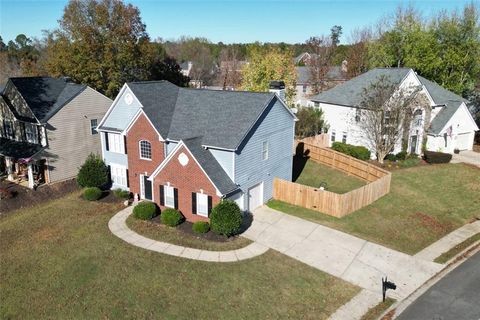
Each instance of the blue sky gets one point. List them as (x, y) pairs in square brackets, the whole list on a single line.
[(228, 21)]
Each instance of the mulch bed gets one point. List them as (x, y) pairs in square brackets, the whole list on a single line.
[(25, 197), (186, 227)]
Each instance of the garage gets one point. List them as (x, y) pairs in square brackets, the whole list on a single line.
[(255, 196), (464, 141)]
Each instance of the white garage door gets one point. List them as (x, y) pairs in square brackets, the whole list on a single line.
[(255, 197), (463, 141)]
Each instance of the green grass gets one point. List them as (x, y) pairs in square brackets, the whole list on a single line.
[(313, 174), (172, 235), (446, 256), (375, 312), (425, 204), (60, 261)]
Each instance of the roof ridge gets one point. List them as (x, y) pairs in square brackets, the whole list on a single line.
[(229, 91)]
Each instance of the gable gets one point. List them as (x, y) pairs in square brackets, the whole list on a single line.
[(122, 111), (460, 120)]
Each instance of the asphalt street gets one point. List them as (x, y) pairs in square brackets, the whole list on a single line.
[(455, 297)]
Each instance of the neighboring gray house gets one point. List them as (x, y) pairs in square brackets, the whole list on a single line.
[(442, 117), (238, 142), (48, 128)]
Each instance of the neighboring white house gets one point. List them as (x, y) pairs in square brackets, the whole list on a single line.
[(451, 124)]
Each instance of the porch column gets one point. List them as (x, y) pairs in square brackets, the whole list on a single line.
[(30, 176), (8, 164)]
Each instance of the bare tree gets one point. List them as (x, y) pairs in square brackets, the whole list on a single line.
[(320, 61), (357, 54), (230, 74), (387, 113)]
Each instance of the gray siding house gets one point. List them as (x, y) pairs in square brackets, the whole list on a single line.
[(48, 128), (241, 141)]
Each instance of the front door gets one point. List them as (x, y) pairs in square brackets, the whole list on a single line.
[(145, 187), (413, 145)]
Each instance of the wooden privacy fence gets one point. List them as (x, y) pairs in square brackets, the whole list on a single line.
[(334, 204)]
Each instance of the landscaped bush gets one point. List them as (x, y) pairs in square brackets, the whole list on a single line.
[(171, 217), (120, 193), (402, 155), (358, 152), (201, 227), (145, 210), (391, 157), (93, 173), (409, 162), (92, 194), (437, 157), (226, 218)]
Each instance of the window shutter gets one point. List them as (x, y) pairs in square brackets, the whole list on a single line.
[(162, 196), (209, 205), (128, 181), (106, 141), (109, 173), (194, 203), (125, 143), (175, 197)]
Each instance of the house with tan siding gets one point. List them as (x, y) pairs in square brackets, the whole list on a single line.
[(48, 128)]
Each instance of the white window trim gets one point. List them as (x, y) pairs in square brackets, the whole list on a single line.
[(344, 137), (115, 143), (93, 130), (116, 179), (9, 133), (265, 147), (166, 197), (201, 197), (142, 186), (140, 150), (333, 136), (33, 132)]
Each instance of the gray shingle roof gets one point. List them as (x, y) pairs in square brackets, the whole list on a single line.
[(222, 118), (18, 149), (350, 93), (45, 96), (212, 168), (304, 74), (441, 119)]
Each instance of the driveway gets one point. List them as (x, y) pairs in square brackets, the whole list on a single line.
[(455, 297), (350, 258), (467, 156)]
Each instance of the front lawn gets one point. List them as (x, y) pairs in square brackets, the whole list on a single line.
[(425, 203), (314, 174), (60, 261)]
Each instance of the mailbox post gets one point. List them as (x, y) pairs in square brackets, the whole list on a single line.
[(387, 285)]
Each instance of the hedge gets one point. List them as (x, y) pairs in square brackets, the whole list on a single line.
[(145, 210), (171, 217), (201, 227), (226, 218), (93, 173), (120, 193), (358, 152), (92, 194), (437, 157)]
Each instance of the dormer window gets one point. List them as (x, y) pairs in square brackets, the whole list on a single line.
[(8, 127), (31, 133), (145, 150)]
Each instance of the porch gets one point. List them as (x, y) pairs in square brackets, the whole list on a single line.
[(22, 163)]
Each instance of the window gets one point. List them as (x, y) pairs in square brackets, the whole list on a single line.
[(265, 150), (145, 150), (115, 143), (169, 196), (387, 117), (93, 126), (344, 137), (118, 175), (304, 89), (417, 117), (333, 136), (316, 104), (31, 133), (7, 124), (358, 113), (202, 204)]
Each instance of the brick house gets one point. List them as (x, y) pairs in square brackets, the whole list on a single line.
[(189, 148)]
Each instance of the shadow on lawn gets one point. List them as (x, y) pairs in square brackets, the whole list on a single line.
[(299, 160)]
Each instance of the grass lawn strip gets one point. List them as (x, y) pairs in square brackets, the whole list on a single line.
[(425, 204), (163, 233), (314, 173), (59, 260), (375, 312), (446, 256)]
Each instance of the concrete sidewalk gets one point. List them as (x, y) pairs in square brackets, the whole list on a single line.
[(350, 258)]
